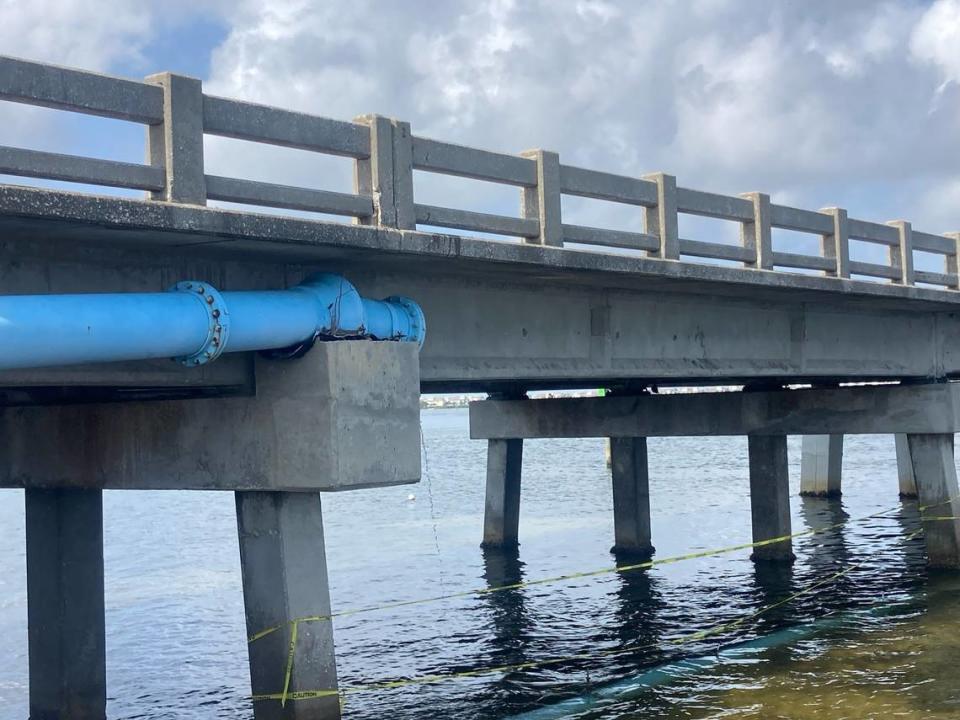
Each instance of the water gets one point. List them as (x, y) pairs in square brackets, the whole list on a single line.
[(176, 638)]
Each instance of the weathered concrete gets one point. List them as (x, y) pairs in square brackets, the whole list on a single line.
[(821, 462), (284, 567), (501, 515), (855, 410), (65, 609), (631, 496), (908, 485), (770, 497), (346, 415), (936, 477)]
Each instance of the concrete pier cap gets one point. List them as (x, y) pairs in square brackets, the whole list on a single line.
[(312, 425)]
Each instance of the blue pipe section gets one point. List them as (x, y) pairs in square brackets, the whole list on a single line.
[(194, 323)]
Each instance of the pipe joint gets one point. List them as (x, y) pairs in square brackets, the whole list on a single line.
[(218, 322)]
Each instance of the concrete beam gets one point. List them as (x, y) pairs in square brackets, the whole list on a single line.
[(631, 496), (770, 497), (65, 608), (908, 484), (936, 476), (501, 515), (284, 567), (933, 408), (821, 462), (345, 415)]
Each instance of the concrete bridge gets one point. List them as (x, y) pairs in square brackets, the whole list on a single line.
[(547, 306)]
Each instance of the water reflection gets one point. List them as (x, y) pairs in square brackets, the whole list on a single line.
[(638, 608), (511, 626)]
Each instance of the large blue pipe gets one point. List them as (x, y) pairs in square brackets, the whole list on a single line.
[(194, 323)]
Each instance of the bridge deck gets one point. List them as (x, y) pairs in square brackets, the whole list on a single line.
[(499, 313)]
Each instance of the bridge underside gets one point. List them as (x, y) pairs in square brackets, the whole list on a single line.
[(501, 315)]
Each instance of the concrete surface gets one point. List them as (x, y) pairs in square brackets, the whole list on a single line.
[(821, 465), (501, 515), (933, 408), (284, 569), (65, 605), (770, 497), (908, 484), (936, 475), (346, 415), (631, 497)]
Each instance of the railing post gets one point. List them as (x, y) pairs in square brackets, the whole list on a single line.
[(901, 256), (836, 245), (953, 260), (177, 143), (387, 175), (542, 202), (756, 235), (661, 220)]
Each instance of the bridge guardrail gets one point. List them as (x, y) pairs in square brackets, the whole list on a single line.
[(178, 114)]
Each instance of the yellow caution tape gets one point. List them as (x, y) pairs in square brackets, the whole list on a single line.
[(692, 637), (579, 575)]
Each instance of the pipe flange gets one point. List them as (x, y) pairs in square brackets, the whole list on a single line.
[(418, 321), (218, 322)]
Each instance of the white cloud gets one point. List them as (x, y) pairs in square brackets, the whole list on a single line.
[(731, 95), (936, 38)]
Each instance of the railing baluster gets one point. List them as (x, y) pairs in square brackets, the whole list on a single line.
[(542, 202), (661, 220), (901, 256), (176, 144), (756, 234), (836, 245)]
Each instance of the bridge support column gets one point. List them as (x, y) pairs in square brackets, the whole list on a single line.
[(285, 578), (770, 497), (65, 619), (631, 496), (936, 478), (501, 514), (821, 461), (908, 485)]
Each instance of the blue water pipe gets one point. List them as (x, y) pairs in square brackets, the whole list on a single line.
[(194, 323)]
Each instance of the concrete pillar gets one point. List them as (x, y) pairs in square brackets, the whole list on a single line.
[(908, 486), (284, 578), (936, 476), (501, 515), (631, 496), (821, 461), (770, 496), (65, 620)]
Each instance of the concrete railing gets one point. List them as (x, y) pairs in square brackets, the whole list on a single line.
[(178, 114)]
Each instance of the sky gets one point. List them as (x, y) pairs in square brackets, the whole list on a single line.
[(819, 103)]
